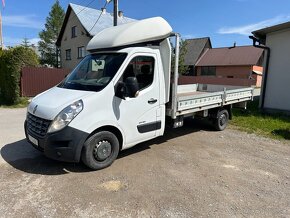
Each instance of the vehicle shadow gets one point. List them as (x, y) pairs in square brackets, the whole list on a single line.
[(22, 156), (190, 126)]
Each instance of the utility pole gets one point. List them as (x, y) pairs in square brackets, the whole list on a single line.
[(116, 8)]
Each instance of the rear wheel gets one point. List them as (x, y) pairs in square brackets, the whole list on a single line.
[(222, 119), (100, 150)]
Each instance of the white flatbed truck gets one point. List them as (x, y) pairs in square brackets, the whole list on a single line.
[(121, 94)]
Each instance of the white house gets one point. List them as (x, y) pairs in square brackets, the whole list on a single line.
[(79, 26), (275, 95)]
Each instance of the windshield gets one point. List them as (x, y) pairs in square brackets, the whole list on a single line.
[(94, 72)]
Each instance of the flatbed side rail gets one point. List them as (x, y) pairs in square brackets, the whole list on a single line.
[(194, 103)]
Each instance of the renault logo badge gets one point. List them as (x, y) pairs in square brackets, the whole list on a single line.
[(34, 109)]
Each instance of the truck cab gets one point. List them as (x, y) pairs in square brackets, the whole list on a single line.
[(114, 99)]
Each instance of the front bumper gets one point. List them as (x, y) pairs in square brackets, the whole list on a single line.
[(65, 145)]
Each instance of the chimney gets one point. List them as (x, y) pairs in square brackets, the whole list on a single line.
[(121, 14), (235, 45), (104, 10)]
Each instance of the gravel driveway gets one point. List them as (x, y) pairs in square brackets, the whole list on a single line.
[(190, 172)]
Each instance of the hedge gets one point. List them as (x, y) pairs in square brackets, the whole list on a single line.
[(11, 63)]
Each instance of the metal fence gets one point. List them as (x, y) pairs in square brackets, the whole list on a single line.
[(35, 80)]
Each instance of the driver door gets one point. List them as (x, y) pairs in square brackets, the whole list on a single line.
[(138, 116)]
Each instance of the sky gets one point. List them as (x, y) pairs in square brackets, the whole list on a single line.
[(224, 21)]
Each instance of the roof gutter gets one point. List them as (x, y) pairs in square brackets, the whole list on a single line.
[(255, 41)]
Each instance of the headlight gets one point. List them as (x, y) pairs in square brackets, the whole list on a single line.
[(66, 116)]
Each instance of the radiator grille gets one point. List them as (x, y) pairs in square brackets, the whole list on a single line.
[(37, 125)]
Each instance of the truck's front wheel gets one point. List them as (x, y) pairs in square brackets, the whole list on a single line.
[(100, 150)]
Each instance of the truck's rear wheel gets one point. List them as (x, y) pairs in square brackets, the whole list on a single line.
[(100, 150), (222, 120)]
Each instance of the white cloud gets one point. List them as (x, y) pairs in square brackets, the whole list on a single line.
[(34, 41), (247, 29), (27, 21), (188, 36), (10, 41)]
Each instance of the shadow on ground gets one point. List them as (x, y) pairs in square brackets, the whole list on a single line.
[(284, 133), (22, 156)]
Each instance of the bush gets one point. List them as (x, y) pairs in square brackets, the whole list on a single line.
[(11, 63)]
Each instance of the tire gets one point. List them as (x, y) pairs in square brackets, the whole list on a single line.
[(222, 120), (100, 150)]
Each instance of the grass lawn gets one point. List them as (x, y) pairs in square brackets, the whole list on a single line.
[(21, 103), (276, 126)]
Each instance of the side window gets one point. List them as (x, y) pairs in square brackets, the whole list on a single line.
[(141, 67), (68, 54), (74, 32)]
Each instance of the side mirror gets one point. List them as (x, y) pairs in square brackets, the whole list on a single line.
[(132, 87), (120, 91)]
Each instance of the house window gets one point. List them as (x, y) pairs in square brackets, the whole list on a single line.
[(68, 54), (208, 71), (81, 52), (74, 32)]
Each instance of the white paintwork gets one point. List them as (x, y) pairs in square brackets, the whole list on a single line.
[(165, 52), (52, 101), (105, 109), (127, 34), (277, 91)]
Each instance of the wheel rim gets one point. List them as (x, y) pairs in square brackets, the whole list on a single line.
[(223, 120), (102, 150)]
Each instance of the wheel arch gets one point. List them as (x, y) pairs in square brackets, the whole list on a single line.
[(214, 112), (113, 130)]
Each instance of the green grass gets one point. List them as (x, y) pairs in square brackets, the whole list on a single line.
[(21, 103), (276, 126)]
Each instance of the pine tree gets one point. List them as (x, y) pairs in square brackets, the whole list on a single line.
[(182, 68), (25, 43), (49, 35)]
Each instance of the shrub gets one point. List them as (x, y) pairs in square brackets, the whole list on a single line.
[(11, 63)]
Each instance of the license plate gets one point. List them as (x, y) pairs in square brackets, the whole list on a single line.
[(33, 140)]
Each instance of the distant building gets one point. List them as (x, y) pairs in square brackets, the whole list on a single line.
[(79, 27), (237, 62), (195, 48), (276, 83)]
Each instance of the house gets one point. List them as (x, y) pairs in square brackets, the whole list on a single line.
[(194, 49), (79, 26), (237, 65), (276, 83)]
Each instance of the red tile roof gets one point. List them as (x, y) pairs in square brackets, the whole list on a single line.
[(234, 56)]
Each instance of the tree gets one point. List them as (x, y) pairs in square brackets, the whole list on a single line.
[(182, 68), (25, 43), (49, 35)]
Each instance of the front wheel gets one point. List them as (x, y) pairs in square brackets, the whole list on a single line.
[(222, 120), (100, 150)]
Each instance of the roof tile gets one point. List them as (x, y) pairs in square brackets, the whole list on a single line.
[(234, 56)]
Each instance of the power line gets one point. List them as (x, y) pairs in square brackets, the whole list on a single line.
[(105, 6)]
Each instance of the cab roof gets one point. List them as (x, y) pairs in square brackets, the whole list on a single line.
[(148, 30)]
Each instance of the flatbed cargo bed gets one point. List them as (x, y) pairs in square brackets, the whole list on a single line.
[(198, 97)]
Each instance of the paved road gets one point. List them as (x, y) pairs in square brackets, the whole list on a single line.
[(190, 172)]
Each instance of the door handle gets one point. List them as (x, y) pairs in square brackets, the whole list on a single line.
[(152, 101)]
